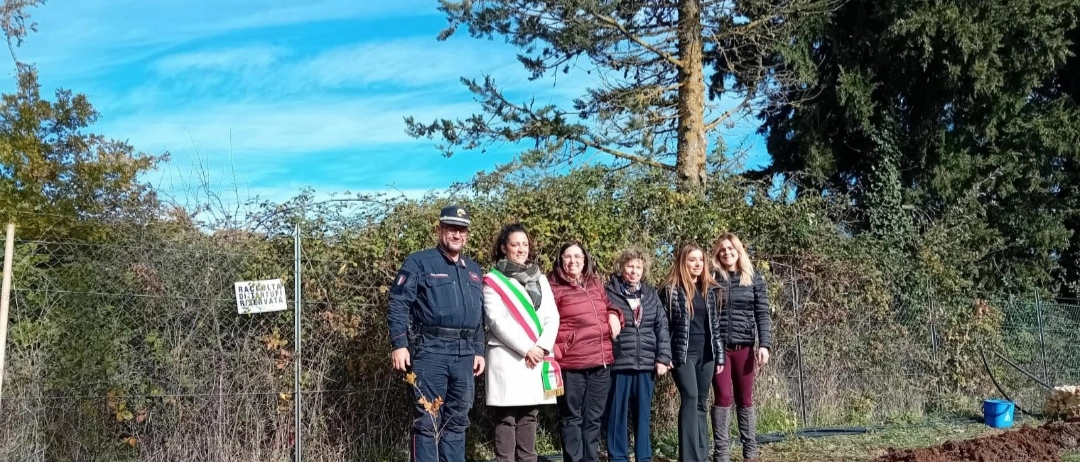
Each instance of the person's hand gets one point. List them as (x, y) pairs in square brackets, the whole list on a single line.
[(661, 368), (534, 356), (719, 368), (400, 359), (616, 325), (478, 366), (762, 356)]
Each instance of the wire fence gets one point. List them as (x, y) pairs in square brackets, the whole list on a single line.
[(127, 345)]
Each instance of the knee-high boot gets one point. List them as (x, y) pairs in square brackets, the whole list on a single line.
[(721, 421), (747, 417)]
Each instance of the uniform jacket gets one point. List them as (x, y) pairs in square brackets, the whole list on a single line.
[(509, 381), (675, 302), (746, 312), (584, 339), (436, 305), (640, 346)]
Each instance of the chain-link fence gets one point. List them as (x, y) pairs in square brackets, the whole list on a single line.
[(125, 344), (918, 360)]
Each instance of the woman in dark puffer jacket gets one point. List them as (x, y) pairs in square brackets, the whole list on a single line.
[(745, 316), (642, 351), (588, 324), (692, 299)]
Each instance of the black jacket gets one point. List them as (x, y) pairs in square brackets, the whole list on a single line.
[(640, 347), (745, 312), (674, 300)]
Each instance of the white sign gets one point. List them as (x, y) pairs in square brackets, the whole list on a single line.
[(260, 296)]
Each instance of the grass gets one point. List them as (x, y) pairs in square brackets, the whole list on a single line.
[(864, 447), (870, 445)]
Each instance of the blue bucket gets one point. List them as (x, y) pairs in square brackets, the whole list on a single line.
[(998, 413)]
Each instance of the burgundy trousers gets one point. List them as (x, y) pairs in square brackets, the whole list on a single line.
[(735, 384)]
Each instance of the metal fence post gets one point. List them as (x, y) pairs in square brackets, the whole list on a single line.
[(296, 354), (936, 360), (1042, 338), (798, 348)]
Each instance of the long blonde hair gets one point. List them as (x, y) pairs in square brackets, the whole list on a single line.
[(746, 268), (679, 276)]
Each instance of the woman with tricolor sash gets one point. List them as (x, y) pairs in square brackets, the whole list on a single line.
[(522, 323)]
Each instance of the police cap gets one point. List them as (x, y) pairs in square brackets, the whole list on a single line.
[(455, 215)]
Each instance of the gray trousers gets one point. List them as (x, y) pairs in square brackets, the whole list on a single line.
[(515, 433)]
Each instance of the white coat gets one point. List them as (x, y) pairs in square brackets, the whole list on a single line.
[(509, 381)]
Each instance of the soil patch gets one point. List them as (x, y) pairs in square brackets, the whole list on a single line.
[(1034, 444)]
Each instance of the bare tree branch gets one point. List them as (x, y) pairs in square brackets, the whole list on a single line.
[(710, 126), (634, 38)]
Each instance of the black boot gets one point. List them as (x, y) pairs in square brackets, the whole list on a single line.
[(721, 425), (747, 417)]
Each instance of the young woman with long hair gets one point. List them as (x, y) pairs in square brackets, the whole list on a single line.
[(692, 298), (746, 329)]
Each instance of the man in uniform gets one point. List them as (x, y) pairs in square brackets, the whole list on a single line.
[(436, 331)]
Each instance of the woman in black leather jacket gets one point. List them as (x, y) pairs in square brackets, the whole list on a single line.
[(744, 318)]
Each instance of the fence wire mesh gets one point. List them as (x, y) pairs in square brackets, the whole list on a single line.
[(127, 345)]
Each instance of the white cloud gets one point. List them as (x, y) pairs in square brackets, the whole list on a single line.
[(284, 128), (406, 62), (388, 64), (220, 60), (116, 32)]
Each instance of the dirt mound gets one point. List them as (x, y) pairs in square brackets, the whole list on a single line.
[(1034, 444)]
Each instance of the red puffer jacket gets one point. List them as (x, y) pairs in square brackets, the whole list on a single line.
[(584, 339)]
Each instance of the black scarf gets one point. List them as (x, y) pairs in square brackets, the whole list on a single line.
[(528, 275)]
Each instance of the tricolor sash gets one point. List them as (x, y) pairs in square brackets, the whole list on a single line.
[(523, 311)]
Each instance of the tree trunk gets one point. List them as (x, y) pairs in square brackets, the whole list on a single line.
[(690, 160)]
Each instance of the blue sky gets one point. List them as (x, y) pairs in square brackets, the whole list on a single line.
[(265, 97)]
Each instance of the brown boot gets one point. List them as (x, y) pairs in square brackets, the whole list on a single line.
[(721, 425), (747, 417)]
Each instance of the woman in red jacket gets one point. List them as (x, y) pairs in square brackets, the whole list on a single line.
[(588, 323)]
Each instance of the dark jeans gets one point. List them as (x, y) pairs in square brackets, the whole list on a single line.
[(735, 384), (631, 395), (515, 433), (582, 410), (449, 377), (693, 379)]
